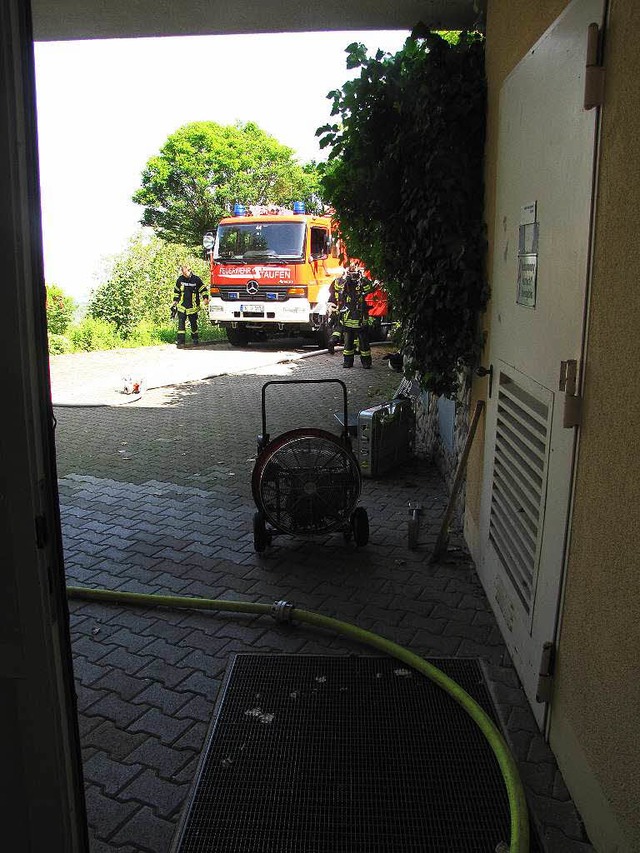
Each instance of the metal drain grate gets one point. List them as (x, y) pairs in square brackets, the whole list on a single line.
[(311, 754)]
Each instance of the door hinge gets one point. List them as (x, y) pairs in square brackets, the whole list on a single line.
[(545, 676), (568, 384), (594, 70)]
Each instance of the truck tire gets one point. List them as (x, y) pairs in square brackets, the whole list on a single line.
[(237, 337)]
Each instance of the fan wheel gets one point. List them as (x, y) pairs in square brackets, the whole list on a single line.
[(260, 536), (306, 481), (360, 526)]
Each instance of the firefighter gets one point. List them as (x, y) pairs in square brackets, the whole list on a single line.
[(187, 293), (348, 294)]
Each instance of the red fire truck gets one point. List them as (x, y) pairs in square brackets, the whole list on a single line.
[(271, 270)]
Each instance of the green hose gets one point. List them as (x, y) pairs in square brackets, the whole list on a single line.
[(283, 611)]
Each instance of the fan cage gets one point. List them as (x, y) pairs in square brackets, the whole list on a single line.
[(306, 481)]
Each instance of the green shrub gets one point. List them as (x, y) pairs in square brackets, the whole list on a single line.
[(144, 334), (60, 309), (93, 334), (59, 344)]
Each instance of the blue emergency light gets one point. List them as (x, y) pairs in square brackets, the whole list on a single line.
[(239, 209), (298, 207)]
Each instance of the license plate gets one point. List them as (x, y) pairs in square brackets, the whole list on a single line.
[(252, 309)]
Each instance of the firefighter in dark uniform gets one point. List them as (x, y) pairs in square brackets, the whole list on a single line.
[(187, 293), (348, 295)]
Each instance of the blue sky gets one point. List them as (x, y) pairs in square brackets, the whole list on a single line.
[(105, 107)]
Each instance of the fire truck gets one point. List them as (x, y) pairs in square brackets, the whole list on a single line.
[(271, 270)]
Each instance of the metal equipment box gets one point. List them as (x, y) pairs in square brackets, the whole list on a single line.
[(385, 436)]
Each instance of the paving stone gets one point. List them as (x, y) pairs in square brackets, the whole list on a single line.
[(111, 776), (477, 633), (522, 719), (105, 815), (120, 683), (98, 846), (113, 708), (157, 696), (165, 760), (160, 795), (193, 738), (88, 697), (85, 672), (204, 685), (160, 725), (125, 660), (150, 834), (556, 841), (116, 742), (88, 724), (538, 778), (562, 816)]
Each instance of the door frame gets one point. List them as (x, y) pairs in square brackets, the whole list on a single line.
[(43, 792)]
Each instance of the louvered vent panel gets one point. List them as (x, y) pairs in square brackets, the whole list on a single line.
[(519, 483)]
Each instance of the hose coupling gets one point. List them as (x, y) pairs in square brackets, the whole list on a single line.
[(282, 611)]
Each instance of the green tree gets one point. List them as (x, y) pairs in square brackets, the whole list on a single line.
[(61, 309), (405, 175), (139, 283), (204, 168)]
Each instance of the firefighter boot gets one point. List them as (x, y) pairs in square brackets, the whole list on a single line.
[(333, 340)]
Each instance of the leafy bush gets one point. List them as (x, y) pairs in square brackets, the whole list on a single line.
[(60, 309), (94, 334), (405, 175), (59, 344), (139, 283)]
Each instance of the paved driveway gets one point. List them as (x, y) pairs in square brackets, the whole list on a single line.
[(155, 497)]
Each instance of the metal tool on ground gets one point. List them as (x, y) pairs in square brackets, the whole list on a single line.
[(307, 481), (415, 510), (443, 537)]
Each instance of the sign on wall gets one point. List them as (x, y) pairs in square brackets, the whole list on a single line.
[(528, 255)]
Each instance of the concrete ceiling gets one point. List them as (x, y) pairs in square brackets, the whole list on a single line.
[(63, 20)]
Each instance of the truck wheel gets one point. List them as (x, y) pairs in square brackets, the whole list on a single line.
[(237, 337)]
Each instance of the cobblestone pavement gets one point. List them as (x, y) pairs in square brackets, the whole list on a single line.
[(155, 498)]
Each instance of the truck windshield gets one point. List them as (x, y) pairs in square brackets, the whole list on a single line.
[(260, 241)]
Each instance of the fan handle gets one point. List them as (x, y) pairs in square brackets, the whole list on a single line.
[(345, 434)]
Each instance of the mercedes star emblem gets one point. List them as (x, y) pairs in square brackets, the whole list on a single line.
[(253, 287)]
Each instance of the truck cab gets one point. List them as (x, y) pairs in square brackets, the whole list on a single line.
[(271, 270)]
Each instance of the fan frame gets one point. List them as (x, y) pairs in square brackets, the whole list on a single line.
[(277, 444)]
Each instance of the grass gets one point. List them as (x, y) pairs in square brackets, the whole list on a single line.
[(91, 335)]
